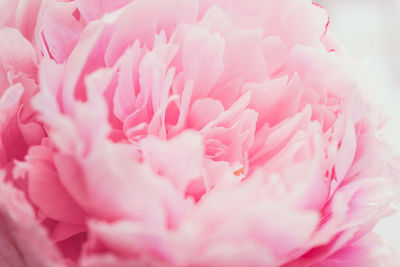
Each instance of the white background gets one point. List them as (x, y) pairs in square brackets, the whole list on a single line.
[(370, 29)]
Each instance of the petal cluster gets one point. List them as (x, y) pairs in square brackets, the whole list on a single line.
[(186, 133)]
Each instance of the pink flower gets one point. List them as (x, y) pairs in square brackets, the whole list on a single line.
[(186, 133)]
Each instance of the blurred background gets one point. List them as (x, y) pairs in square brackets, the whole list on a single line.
[(370, 30)]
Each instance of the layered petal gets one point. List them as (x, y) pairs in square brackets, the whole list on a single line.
[(185, 133)]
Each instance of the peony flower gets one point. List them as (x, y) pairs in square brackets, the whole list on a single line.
[(186, 133)]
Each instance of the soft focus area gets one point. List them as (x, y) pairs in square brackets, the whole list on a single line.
[(370, 29), (198, 133)]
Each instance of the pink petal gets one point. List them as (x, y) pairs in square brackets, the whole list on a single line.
[(95, 9), (202, 60), (76, 64), (142, 19), (60, 30), (186, 151), (16, 53), (44, 186), (275, 52), (125, 97), (126, 238), (23, 244), (203, 111)]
